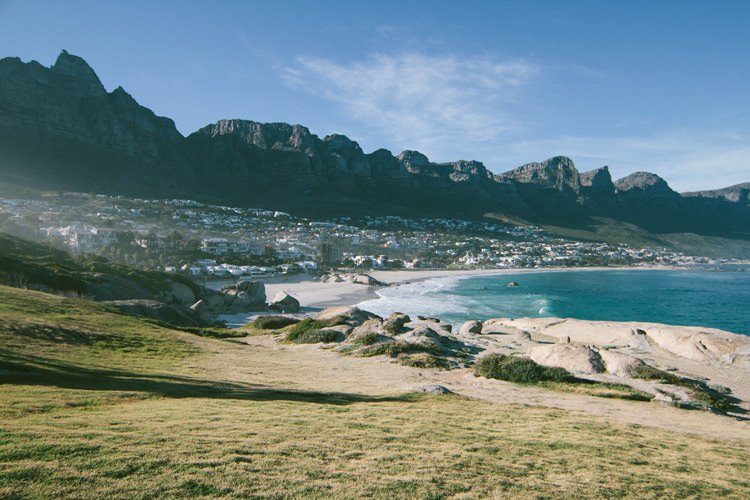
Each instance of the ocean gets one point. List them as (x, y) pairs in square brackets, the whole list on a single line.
[(718, 298)]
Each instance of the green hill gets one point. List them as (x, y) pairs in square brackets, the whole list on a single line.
[(27, 264)]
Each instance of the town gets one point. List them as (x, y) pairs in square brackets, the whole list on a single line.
[(222, 242)]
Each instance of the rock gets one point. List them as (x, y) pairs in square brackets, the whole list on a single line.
[(215, 302), (619, 364), (470, 328), (422, 335), (512, 283), (428, 318), (433, 389), (167, 313), (395, 322), (285, 303), (344, 330), (366, 279), (245, 295), (572, 357), (182, 294), (352, 314), (372, 325)]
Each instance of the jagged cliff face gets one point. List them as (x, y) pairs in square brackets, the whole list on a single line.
[(60, 124), (59, 128)]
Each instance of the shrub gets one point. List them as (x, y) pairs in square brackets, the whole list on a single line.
[(650, 373), (422, 360), (519, 370), (315, 336), (273, 322), (394, 349), (308, 324), (368, 338)]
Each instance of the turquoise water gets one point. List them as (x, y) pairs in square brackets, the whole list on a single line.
[(718, 299)]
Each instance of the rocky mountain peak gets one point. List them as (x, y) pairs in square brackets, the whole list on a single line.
[(643, 181), (78, 70), (413, 161), (557, 173), (263, 135), (739, 193), (597, 180), (341, 143)]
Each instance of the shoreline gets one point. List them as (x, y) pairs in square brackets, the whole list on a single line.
[(315, 294)]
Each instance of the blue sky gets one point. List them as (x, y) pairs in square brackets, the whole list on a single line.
[(657, 86)]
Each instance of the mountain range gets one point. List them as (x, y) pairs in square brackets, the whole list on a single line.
[(60, 129)]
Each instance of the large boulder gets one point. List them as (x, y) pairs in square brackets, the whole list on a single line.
[(215, 302), (572, 357), (471, 328), (365, 279), (245, 295), (619, 364), (160, 311), (284, 302), (182, 294), (353, 315), (395, 322)]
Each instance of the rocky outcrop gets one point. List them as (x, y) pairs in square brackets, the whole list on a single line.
[(574, 358), (244, 296), (470, 327), (357, 279), (284, 303), (165, 313), (739, 193)]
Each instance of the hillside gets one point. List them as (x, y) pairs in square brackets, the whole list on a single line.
[(96, 404), (36, 266), (60, 129)]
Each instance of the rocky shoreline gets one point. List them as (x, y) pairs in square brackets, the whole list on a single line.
[(686, 367)]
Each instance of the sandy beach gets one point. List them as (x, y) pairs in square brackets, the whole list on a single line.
[(315, 294)]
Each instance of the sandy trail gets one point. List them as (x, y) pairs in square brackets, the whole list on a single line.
[(262, 361)]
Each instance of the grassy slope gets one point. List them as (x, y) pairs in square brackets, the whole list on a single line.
[(95, 404), (35, 265)]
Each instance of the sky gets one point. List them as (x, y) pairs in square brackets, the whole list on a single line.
[(638, 85)]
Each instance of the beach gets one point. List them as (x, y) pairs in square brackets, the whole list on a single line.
[(313, 293)]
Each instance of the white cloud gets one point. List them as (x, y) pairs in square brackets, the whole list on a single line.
[(482, 108), (419, 101)]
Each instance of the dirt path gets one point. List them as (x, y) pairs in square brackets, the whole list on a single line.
[(262, 361)]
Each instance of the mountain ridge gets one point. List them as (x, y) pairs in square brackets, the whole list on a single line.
[(60, 129)]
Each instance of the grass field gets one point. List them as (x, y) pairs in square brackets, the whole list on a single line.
[(95, 404)]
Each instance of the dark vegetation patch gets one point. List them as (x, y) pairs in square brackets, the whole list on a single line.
[(317, 336), (422, 360), (273, 322), (26, 264), (213, 332), (705, 397), (394, 349), (300, 329), (519, 370), (368, 338)]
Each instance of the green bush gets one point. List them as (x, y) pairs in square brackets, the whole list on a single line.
[(394, 349), (422, 360), (650, 373), (309, 324), (316, 336), (519, 370), (368, 338), (273, 322)]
